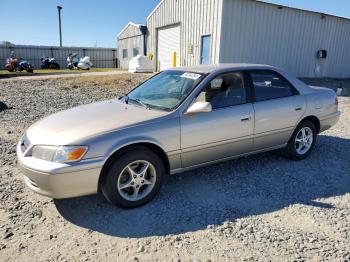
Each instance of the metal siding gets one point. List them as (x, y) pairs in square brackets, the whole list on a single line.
[(196, 17), (255, 32), (129, 44), (130, 31), (100, 57)]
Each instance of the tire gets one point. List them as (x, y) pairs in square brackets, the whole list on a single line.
[(55, 66), (300, 150), (135, 192)]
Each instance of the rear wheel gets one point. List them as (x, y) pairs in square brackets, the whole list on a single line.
[(302, 141), (134, 178)]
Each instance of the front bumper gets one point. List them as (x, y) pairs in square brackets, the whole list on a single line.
[(58, 180)]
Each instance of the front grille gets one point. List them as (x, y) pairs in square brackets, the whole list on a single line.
[(25, 144)]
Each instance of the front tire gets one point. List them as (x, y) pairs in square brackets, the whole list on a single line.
[(133, 178), (302, 141)]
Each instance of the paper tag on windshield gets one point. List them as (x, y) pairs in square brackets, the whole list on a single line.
[(193, 76)]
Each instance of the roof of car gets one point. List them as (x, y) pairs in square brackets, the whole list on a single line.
[(218, 67)]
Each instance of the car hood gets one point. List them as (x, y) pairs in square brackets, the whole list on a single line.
[(79, 123)]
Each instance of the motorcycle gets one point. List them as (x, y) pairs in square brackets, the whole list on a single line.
[(25, 65), (17, 64), (49, 63), (11, 64), (85, 63), (75, 63)]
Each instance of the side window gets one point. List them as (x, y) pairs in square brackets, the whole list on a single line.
[(269, 85), (224, 91), (125, 53), (135, 51)]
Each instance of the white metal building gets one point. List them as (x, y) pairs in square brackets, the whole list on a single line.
[(131, 42), (309, 44)]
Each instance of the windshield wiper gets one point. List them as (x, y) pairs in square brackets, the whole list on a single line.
[(138, 101), (142, 103), (126, 99)]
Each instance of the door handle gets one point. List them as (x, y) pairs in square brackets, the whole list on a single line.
[(245, 118), (298, 108)]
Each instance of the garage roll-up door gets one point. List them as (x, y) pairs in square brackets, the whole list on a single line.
[(168, 43)]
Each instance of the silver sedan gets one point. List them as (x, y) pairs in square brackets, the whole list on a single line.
[(177, 120)]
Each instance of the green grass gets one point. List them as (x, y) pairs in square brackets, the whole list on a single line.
[(61, 71)]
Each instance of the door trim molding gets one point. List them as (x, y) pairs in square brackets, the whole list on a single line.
[(180, 170), (215, 144)]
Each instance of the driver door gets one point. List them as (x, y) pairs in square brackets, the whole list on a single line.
[(224, 132)]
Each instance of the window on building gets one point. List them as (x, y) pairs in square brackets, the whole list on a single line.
[(225, 90), (135, 51), (125, 53), (270, 85)]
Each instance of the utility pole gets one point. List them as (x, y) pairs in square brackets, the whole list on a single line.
[(59, 21)]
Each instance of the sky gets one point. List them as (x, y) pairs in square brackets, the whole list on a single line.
[(92, 23)]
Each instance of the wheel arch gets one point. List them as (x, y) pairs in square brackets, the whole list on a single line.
[(127, 147), (314, 120)]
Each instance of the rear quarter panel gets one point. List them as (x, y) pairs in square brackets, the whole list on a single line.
[(321, 103)]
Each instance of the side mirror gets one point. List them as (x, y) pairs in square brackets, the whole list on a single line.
[(199, 107)]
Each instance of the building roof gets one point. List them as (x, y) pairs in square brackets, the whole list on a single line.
[(218, 67), (300, 9), (268, 3), (136, 25)]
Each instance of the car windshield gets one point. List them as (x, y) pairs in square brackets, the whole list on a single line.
[(165, 91)]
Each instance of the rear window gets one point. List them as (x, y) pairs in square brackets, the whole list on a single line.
[(270, 85)]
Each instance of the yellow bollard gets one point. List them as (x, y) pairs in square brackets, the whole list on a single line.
[(174, 59)]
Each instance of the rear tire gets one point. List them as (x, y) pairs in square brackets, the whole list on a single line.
[(133, 178), (302, 141)]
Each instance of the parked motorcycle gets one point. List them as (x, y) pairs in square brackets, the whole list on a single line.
[(75, 63), (11, 64), (49, 63), (17, 64), (85, 63), (25, 65)]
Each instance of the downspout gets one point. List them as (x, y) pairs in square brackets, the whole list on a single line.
[(143, 30)]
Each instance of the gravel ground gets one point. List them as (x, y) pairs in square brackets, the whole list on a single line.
[(262, 207)]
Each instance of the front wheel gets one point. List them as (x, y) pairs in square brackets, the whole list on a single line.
[(302, 141), (134, 178)]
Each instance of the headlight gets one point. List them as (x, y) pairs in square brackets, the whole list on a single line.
[(60, 154), (69, 153)]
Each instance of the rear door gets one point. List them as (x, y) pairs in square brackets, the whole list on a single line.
[(278, 108)]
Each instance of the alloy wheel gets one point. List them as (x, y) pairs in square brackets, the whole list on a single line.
[(136, 180), (303, 140)]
